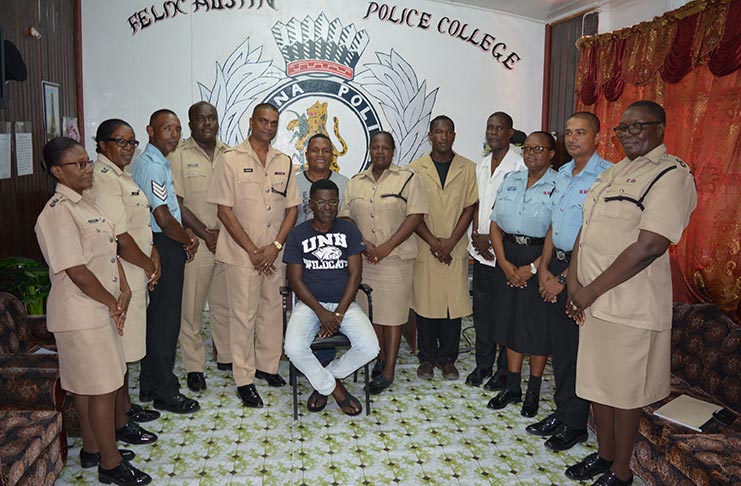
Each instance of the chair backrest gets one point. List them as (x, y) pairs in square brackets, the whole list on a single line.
[(12, 332)]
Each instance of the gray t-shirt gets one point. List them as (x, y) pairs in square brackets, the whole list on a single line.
[(303, 184)]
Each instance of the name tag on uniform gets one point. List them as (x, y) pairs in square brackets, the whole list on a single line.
[(135, 193), (248, 169), (511, 188), (630, 181), (279, 173), (96, 220), (193, 165)]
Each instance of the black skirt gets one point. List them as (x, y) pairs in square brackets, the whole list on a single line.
[(520, 314)]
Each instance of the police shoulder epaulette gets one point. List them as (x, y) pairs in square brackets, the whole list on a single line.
[(56, 200), (674, 159), (357, 175)]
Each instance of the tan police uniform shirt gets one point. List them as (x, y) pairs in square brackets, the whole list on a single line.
[(191, 172), (380, 207), (126, 206), (72, 231), (258, 196), (439, 287), (611, 223)]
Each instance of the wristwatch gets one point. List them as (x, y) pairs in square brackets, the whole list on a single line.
[(278, 245), (561, 279), (533, 269)]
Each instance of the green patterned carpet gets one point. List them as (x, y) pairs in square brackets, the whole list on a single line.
[(419, 433)]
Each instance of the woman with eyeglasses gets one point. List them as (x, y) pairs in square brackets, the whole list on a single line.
[(126, 206), (387, 202), (519, 223), (87, 306)]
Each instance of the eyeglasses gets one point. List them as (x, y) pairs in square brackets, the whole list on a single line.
[(332, 203), (82, 164), (633, 128), (538, 150), (122, 142)]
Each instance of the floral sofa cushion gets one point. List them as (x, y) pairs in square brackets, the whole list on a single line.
[(29, 447)]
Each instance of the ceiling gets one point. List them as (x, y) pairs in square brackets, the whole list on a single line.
[(543, 10)]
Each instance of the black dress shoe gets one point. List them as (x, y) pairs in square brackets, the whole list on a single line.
[(124, 475), (224, 366), (503, 399), (566, 438), (544, 428), (530, 405), (196, 382), (132, 433), (92, 459), (274, 380), (178, 403), (377, 368), (496, 383), (476, 377), (249, 396), (145, 397), (142, 415), (609, 479), (588, 468)]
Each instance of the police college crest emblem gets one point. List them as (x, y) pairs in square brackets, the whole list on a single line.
[(324, 88)]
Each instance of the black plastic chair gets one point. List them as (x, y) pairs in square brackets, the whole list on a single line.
[(339, 340)]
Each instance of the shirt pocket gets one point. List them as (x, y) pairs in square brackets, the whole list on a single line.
[(96, 241), (279, 183), (249, 187), (620, 203), (195, 179)]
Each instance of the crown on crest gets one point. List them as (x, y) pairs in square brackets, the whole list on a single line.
[(320, 46)]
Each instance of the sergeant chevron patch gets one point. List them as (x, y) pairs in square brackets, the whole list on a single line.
[(159, 190)]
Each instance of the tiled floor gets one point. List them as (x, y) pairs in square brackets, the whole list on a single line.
[(420, 433)]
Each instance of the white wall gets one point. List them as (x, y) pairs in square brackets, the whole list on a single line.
[(129, 75), (617, 14)]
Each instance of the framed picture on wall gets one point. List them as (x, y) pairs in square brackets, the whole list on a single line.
[(52, 120)]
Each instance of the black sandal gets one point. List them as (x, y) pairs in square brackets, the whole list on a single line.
[(347, 403), (378, 385), (319, 402)]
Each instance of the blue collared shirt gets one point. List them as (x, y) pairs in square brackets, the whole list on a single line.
[(151, 172), (567, 201), (522, 211)]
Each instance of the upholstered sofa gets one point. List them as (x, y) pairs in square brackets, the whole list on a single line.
[(706, 364), (33, 442)]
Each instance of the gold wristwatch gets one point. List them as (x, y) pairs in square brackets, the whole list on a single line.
[(278, 245)]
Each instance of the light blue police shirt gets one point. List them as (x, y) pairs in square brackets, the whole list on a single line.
[(567, 200), (522, 211), (151, 172)]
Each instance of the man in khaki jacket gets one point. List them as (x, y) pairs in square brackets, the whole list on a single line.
[(256, 194), (192, 164), (441, 296)]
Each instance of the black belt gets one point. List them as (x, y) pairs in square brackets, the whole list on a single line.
[(524, 240), (562, 255)]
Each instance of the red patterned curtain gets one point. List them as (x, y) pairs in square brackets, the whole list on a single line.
[(688, 60)]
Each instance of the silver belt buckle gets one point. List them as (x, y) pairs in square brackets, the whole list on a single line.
[(521, 240), (561, 255)]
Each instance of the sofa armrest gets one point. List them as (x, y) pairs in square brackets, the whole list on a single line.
[(30, 382), (38, 335)]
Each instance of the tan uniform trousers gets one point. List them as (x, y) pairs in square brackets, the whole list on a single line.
[(255, 320), (204, 277)]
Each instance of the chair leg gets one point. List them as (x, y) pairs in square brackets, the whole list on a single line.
[(294, 387), (367, 390)]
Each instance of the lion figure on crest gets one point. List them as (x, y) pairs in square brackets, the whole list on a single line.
[(313, 122)]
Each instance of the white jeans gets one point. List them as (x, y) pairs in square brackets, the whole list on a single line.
[(301, 331)]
